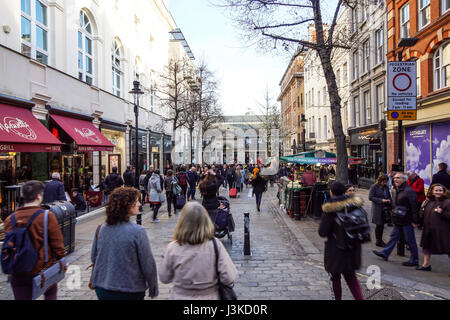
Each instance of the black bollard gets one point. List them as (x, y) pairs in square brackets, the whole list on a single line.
[(247, 251), (139, 216)]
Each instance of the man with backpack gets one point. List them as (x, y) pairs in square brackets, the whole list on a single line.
[(183, 180), (112, 182), (31, 217)]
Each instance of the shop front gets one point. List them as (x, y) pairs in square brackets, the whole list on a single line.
[(116, 135), (167, 153), (155, 149), (366, 143), (81, 140), (24, 141), (142, 148), (427, 145)]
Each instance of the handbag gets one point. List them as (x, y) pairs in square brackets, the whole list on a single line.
[(52, 275), (225, 292), (161, 198)]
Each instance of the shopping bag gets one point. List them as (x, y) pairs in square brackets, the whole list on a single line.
[(250, 192)]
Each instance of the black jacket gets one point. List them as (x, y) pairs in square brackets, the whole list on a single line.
[(406, 197), (259, 185), (210, 200), (443, 178), (128, 178), (80, 203), (336, 260), (112, 182), (54, 191)]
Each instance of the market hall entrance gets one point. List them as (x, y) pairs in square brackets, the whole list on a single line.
[(73, 171)]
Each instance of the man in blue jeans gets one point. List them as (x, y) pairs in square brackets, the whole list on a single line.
[(405, 199)]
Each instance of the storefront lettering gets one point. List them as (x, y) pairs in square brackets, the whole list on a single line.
[(88, 134), (18, 127), (6, 147), (418, 132), (364, 137)]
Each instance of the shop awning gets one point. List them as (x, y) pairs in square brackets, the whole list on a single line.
[(84, 133), (20, 131)]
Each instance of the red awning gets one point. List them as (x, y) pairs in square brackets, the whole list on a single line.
[(20, 131), (84, 133)]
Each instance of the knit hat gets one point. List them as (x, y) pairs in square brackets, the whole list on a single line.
[(338, 188)]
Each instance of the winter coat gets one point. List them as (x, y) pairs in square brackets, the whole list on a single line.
[(210, 200), (406, 197), (436, 227), (237, 178), (192, 178), (141, 182), (376, 195), (309, 178), (259, 185), (192, 270), (242, 176), (336, 260), (128, 178), (418, 185), (54, 191), (112, 182), (55, 238), (443, 178), (80, 203), (155, 188)]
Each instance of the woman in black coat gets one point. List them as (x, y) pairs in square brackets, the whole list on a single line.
[(209, 188), (338, 261), (436, 225), (381, 200), (259, 186)]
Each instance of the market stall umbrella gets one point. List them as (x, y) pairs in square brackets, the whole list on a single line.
[(20, 131)]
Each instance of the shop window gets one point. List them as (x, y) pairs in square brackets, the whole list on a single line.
[(85, 49), (34, 30), (441, 63)]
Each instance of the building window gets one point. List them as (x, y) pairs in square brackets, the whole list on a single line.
[(312, 102), (34, 30), (324, 96), (319, 132), (441, 63), (345, 74), (366, 56), (379, 103), (355, 69), (356, 111), (85, 50), (116, 69), (367, 116), (325, 127), (338, 78), (363, 10), (318, 97), (354, 19), (424, 13), (445, 5), (404, 21), (379, 46)]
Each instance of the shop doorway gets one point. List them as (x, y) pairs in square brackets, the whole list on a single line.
[(73, 171)]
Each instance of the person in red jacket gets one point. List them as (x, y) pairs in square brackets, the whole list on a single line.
[(418, 185)]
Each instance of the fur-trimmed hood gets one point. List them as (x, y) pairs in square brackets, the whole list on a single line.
[(341, 204)]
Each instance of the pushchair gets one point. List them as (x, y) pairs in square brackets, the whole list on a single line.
[(223, 220)]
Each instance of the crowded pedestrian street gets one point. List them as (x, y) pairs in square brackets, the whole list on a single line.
[(286, 261)]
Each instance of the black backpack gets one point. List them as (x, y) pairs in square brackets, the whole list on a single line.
[(352, 227)]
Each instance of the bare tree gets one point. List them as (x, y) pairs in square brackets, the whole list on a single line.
[(284, 22), (173, 94)]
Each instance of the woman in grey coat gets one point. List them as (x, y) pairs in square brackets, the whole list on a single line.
[(155, 193), (381, 200)]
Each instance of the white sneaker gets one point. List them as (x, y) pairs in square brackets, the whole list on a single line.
[(156, 221)]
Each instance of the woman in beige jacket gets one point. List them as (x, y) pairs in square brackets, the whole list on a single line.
[(190, 261)]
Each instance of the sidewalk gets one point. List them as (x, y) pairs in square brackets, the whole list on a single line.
[(410, 283)]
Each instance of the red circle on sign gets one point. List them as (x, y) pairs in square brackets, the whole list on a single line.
[(407, 87)]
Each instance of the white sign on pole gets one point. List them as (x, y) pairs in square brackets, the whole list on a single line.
[(402, 86)]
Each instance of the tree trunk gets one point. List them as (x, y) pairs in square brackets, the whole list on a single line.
[(335, 104)]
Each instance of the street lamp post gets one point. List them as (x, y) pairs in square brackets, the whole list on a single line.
[(303, 122), (136, 92)]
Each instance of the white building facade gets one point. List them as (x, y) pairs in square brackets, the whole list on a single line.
[(78, 59)]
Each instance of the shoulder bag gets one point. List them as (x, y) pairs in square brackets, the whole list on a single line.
[(225, 292), (52, 275)]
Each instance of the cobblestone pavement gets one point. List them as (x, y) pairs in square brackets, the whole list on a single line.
[(284, 263)]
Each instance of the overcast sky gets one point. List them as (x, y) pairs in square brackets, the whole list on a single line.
[(243, 72)]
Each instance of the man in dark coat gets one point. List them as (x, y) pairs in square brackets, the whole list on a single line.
[(192, 178), (54, 190), (442, 176), (112, 182), (128, 177), (405, 200), (338, 261)]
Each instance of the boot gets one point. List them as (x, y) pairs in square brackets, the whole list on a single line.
[(379, 236)]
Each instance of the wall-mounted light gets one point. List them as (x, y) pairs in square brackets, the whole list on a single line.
[(6, 29)]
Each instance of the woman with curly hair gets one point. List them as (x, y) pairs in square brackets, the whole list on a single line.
[(124, 267), (189, 261), (436, 226)]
